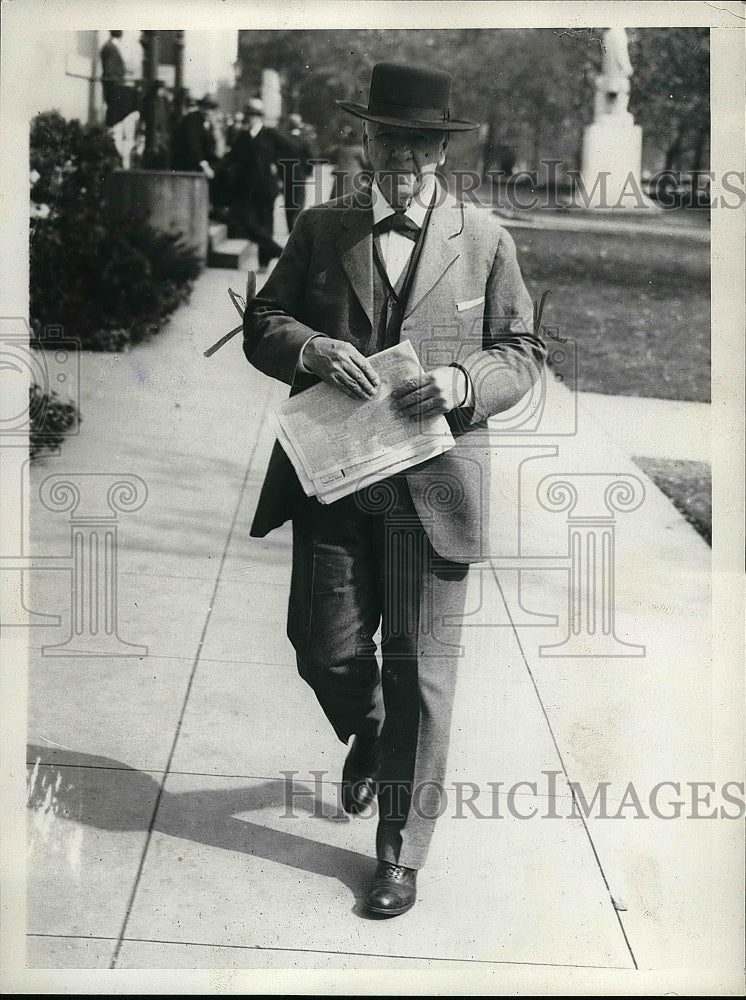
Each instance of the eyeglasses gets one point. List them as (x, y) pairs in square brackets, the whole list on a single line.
[(405, 140)]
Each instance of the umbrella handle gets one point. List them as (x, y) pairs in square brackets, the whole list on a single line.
[(250, 294)]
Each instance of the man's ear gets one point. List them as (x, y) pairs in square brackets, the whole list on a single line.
[(443, 149)]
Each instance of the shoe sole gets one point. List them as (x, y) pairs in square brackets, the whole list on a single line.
[(387, 912)]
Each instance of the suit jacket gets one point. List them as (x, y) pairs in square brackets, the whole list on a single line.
[(193, 142), (256, 165), (112, 63), (468, 306), (295, 157)]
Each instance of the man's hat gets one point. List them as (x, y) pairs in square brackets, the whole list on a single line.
[(410, 97), (254, 107), (206, 102)]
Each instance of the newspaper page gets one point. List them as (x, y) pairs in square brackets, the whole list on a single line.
[(336, 444)]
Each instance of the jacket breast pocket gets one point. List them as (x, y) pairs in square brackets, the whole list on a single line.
[(469, 304)]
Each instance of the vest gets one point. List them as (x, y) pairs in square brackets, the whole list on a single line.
[(390, 302)]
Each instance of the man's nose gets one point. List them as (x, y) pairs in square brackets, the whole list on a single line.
[(402, 151)]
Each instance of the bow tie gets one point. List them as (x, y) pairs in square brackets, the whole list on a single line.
[(399, 223)]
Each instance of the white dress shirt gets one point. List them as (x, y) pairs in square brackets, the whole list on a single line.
[(396, 249)]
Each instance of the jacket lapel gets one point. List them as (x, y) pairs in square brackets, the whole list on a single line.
[(442, 246), (355, 247)]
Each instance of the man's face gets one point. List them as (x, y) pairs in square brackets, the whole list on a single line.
[(402, 158)]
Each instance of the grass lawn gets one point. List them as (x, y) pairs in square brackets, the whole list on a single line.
[(638, 307), (688, 485)]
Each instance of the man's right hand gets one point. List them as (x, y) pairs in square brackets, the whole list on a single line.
[(341, 365)]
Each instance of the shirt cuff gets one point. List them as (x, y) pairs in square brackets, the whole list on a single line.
[(468, 399), (300, 366)]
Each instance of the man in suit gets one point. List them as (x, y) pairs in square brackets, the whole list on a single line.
[(122, 100), (112, 72), (255, 156), (400, 260), (296, 167), (194, 147)]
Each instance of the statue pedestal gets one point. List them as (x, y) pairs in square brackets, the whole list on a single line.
[(612, 156)]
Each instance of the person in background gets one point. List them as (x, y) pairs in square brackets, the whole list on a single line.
[(296, 167), (233, 128), (122, 101), (112, 71), (255, 158), (352, 170), (193, 146)]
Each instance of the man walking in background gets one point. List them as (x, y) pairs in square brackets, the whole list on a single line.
[(112, 72), (122, 101), (401, 259), (255, 160), (296, 166), (194, 147)]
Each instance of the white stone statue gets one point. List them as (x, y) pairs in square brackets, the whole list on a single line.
[(612, 85)]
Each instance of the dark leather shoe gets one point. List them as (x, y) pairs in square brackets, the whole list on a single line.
[(359, 774), (392, 890)]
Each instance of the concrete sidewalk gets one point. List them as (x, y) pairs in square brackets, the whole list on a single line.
[(652, 428), (655, 222), (161, 833)]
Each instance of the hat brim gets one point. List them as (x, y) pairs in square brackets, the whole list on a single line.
[(454, 125)]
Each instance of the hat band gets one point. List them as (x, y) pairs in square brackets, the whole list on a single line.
[(406, 111)]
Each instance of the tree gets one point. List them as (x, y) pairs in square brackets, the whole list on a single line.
[(670, 95), (514, 78), (532, 88)]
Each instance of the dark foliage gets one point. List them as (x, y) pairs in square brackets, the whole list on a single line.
[(49, 418), (670, 94), (108, 285)]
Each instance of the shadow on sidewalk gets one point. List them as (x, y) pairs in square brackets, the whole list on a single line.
[(95, 794)]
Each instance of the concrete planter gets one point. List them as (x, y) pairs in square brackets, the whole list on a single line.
[(173, 202)]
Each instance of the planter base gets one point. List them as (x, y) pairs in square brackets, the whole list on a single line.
[(172, 201)]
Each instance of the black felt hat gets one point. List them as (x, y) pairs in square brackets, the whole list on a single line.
[(410, 97)]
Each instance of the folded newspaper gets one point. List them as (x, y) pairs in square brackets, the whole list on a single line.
[(338, 445)]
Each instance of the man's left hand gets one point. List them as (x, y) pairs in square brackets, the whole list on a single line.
[(432, 393)]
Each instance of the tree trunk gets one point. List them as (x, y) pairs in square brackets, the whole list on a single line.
[(699, 161), (673, 152), (537, 148)]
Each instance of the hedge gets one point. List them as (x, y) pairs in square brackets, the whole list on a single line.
[(108, 285)]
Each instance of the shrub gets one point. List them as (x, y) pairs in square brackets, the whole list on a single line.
[(109, 285), (50, 418)]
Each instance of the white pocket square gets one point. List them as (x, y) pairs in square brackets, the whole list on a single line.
[(461, 306)]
